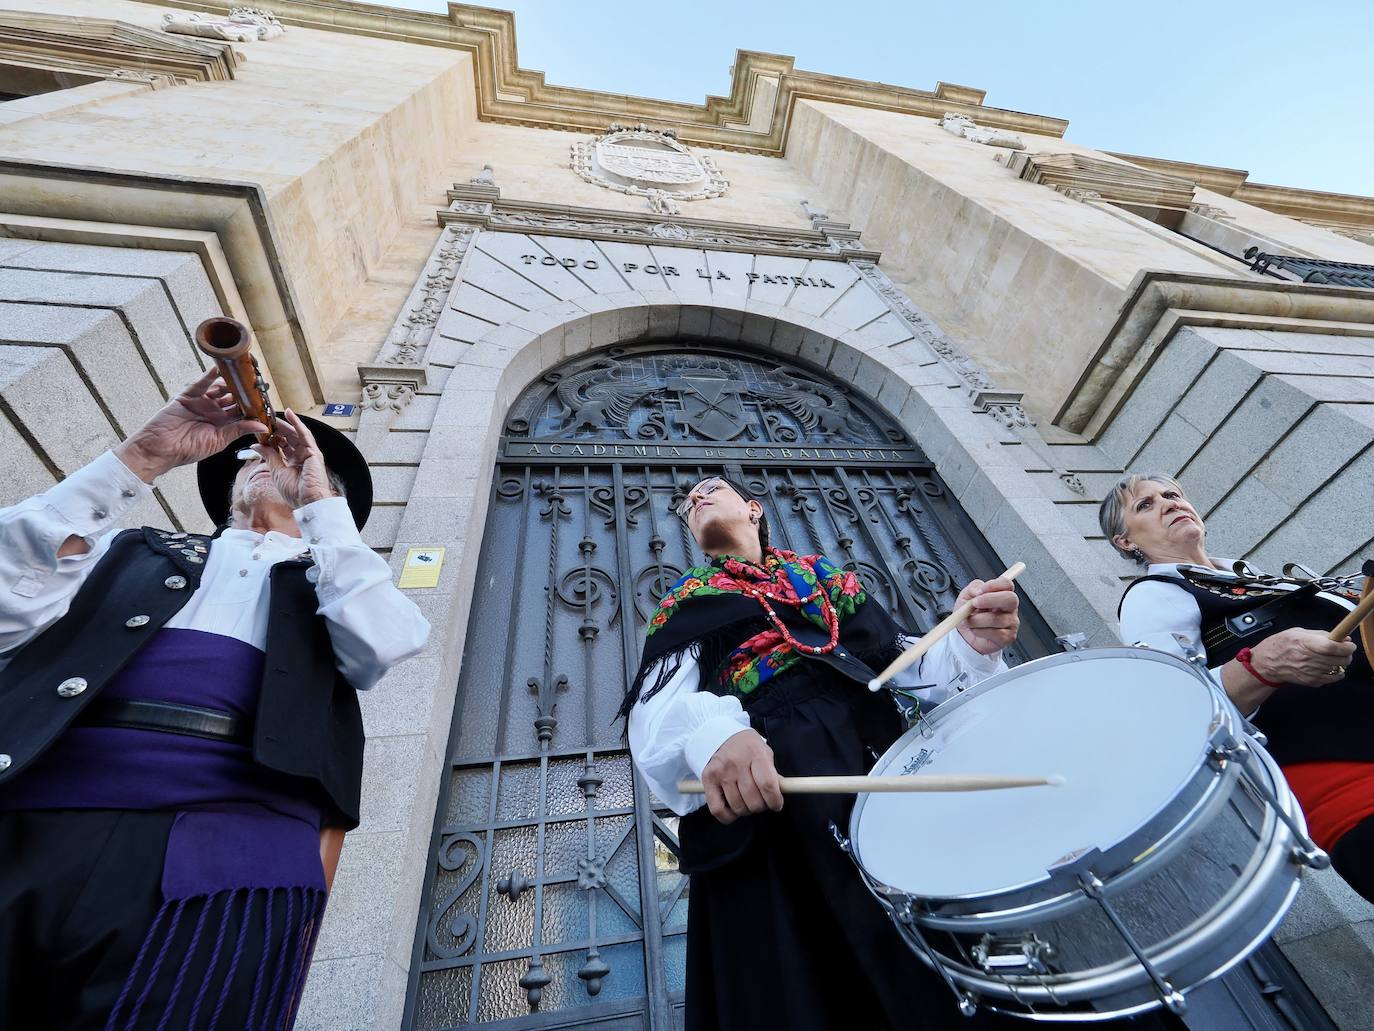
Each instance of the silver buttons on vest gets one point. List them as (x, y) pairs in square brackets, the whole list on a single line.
[(174, 583), (71, 687), (5, 762), (134, 622)]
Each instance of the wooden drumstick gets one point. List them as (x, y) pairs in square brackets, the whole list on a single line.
[(915, 782), (1351, 621), (947, 624)]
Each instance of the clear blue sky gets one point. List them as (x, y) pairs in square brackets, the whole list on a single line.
[(1282, 90)]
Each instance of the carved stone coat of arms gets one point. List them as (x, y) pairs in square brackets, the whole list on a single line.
[(648, 163)]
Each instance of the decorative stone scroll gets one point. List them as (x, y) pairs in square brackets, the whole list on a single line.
[(390, 386), (648, 163), (963, 125), (923, 328), (240, 25), (156, 80), (1004, 406), (415, 325)]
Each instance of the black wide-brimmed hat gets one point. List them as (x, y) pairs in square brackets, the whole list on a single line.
[(215, 475)]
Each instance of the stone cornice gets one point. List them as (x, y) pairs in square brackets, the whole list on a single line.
[(1116, 182), (754, 118), (473, 206), (111, 49), (1161, 303), (1338, 210)]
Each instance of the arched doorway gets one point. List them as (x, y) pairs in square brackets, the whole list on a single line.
[(553, 898)]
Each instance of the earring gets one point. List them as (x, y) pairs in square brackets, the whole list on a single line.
[(1138, 555)]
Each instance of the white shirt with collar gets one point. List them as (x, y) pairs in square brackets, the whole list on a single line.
[(371, 624), (675, 733), (1168, 618)]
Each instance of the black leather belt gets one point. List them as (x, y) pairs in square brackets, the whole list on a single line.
[(168, 717)]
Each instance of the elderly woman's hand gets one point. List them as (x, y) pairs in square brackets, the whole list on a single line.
[(995, 621), (1302, 657)]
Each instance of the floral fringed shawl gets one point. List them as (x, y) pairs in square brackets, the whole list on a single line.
[(746, 624)]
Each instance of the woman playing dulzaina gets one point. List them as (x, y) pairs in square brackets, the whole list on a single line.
[(756, 665), (1265, 638)]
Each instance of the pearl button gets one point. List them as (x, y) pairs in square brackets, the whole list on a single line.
[(313, 574), (99, 513), (127, 493), (243, 572), (307, 517), (175, 583), (134, 622), (71, 687), (314, 540), (5, 762)]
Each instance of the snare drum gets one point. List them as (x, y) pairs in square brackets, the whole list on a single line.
[(1170, 852)]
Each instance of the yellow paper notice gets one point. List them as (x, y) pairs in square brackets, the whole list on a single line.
[(422, 567)]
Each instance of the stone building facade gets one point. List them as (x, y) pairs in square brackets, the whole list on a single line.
[(932, 332)]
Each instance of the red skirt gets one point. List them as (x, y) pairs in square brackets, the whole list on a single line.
[(1335, 797)]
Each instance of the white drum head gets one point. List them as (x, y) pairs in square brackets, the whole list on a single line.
[(1127, 728)]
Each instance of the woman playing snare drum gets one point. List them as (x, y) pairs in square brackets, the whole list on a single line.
[(1265, 639), (756, 664)]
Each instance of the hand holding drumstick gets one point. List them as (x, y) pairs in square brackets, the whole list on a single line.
[(741, 779), (986, 615)]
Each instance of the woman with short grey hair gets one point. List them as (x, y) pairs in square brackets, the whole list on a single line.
[(1265, 639)]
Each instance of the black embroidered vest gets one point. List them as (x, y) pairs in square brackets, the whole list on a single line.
[(308, 723), (1303, 724)]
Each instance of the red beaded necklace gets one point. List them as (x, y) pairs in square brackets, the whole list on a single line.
[(765, 597)]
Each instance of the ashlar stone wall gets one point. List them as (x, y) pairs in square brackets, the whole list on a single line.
[(1029, 279), (1271, 434), (344, 135), (94, 340)]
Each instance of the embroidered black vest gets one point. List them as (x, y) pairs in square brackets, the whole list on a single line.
[(1303, 724), (308, 723)]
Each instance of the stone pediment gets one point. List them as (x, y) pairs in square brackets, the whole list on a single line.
[(110, 49)]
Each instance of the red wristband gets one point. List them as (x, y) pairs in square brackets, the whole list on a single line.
[(1244, 657)]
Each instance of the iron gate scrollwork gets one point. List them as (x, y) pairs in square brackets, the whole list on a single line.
[(553, 895)]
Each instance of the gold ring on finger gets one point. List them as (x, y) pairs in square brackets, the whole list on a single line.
[(1336, 671)]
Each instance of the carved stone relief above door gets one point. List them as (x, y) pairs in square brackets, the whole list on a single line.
[(648, 163)]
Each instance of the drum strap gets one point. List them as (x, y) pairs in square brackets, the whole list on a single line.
[(1245, 624), (1367, 624)]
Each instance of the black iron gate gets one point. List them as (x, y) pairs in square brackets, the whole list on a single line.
[(553, 899)]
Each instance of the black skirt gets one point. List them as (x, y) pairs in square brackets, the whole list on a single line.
[(784, 933)]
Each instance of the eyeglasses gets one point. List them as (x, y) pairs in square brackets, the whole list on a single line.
[(704, 489)]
